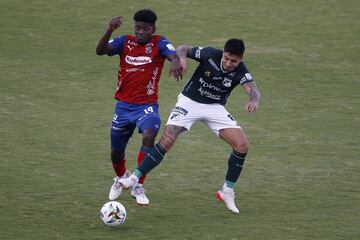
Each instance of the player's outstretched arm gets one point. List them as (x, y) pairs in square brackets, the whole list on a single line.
[(254, 95), (103, 46), (183, 52)]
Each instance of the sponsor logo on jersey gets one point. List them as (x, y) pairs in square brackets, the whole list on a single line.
[(209, 85), (141, 60), (208, 94), (207, 73), (134, 69), (227, 82), (151, 84)]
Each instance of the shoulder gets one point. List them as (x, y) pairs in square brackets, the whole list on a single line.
[(160, 39), (243, 73), (129, 37), (164, 45), (117, 44), (119, 40), (205, 52)]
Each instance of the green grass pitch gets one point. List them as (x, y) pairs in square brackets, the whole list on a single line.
[(301, 178)]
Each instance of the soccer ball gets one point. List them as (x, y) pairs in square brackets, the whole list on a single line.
[(113, 214)]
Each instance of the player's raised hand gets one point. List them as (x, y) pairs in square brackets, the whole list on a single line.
[(116, 23)]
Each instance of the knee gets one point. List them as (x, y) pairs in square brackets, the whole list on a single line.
[(242, 147), (148, 138), (117, 156)]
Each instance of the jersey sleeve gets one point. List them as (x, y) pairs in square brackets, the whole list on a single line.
[(118, 44), (200, 54), (165, 47), (246, 78)]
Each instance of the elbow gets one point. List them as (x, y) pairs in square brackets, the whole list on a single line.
[(183, 51), (99, 52), (179, 48)]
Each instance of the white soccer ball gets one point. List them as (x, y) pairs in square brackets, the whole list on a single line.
[(113, 214)]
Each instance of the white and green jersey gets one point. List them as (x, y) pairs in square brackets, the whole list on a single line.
[(209, 83)]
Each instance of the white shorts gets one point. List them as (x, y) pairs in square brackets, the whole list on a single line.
[(187, 112)]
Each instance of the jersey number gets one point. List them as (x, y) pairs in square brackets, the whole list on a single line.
[(149, 110)]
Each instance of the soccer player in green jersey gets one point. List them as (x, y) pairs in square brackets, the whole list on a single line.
[(203, 99)]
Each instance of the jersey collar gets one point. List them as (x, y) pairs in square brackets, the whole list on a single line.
[(222, 67)]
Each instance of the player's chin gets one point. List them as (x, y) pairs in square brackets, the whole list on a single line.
[(140, 40), (230, 69)]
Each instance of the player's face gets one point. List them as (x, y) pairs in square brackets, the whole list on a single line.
[(230, 61), (144, 32)]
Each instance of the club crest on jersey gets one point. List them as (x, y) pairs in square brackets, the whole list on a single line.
[(148, 50), (227, 82), (207, 73)]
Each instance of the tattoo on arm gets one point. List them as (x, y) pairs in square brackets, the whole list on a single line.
[(253, 91)]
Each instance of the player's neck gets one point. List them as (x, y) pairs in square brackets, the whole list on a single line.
[(144, 43)]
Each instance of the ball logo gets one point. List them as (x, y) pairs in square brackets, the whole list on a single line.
[(138, 60)]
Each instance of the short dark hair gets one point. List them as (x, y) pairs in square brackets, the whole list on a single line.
[(145, 15), (235, 46)]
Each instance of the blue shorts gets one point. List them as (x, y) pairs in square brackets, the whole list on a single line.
[(128, 116)]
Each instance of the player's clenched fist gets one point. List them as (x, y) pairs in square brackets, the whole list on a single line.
[(116, 23)]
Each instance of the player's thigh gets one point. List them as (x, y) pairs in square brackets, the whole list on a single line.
[(216, 117), (121, 129), (185, 113), (148, 120)]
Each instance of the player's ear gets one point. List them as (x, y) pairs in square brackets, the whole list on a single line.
[(154, 29)]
